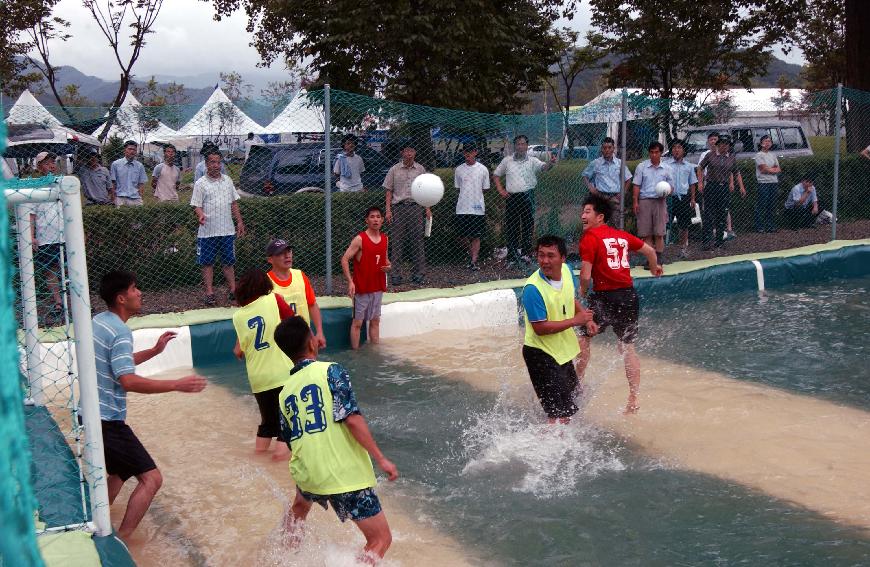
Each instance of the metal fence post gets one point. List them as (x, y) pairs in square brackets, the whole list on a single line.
[(622, 154), (837, 125), (327, 177)]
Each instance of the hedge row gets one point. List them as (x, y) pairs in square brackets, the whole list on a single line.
[(158, 242)]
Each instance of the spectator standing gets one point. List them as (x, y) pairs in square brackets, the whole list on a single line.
[(216, 203), (95, 179), (520, 171), (602, 174), (128, 177), (46, 229), (404, 215), (717, 184), (472, 179), (349, 166), (166, 177), (200, 168), (650, 209), (683, 199), (767, 172), (251, 140), (802, 204)]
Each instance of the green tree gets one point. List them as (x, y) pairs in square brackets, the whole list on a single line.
[(782, 100), (469, 54), (858, 74), (162, 102), (16, 20), (236, 88), (822, 40), (72, 97), (679, 49)]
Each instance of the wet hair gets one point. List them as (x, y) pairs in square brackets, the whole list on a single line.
[(608, 140), (552, 240), (521, 137), (113, 284), (677, 142), (600, 205), (252, 285), (292, 336), (372, 209), (656, 145)]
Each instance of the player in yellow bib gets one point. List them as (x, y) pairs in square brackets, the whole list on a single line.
[(293, 286), (331, 443), (550, 346), (268, 367)]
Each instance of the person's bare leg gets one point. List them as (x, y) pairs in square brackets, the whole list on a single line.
[(659, 243), (684, 238), (53, 284), (375, 331), (294, 520), (728, 227), (208, 279), (632, 373), (582, 360), (230, 276), (114, 485), (140, 501), (261, 444), (474, 249), (282, 451), (378, 538), (355, 329)]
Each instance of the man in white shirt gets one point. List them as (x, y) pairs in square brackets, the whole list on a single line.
[(349, 166), (216, 203), (46, 226), (472, 179), (802, 204), (520, 171)]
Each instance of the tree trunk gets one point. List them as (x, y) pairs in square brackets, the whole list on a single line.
[(113, 111), (858, 74)]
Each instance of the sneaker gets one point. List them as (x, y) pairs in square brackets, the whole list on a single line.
[(684, 252), (231, 296), (473, 267), (210, 300), (729, 236)]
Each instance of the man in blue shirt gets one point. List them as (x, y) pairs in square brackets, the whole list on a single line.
[(683, 199), (602, 174), (116, 375), (128, 177), (650, 209)]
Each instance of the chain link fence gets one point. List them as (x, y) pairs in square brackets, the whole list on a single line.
[(296, 176)]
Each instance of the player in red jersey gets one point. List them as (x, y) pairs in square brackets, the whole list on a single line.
[(366, 287), (604, 256)]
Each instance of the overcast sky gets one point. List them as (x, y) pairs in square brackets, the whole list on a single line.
[(186, 41)]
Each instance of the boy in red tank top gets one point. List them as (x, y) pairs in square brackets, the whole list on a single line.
[(366, 287)]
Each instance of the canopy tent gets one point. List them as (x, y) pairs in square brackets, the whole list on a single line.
[(220, 118), (28, 110), (138, 122), (301, 115)]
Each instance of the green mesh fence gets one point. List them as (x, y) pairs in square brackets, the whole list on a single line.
[(17, 503), (277, 160)]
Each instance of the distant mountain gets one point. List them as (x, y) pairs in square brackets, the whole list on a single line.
[(593, 82)]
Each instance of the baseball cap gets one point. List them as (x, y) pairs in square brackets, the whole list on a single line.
[(276, 246), (42, 156)]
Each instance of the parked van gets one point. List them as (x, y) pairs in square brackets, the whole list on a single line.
[(788, 139)]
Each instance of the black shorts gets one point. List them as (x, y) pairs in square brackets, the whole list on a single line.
[(270, 422), (617, 308), (470, 226), (683, 211), (48, 256), (125, 455), (555, 384)]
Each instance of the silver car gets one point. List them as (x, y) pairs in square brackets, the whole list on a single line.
[(788, 139)]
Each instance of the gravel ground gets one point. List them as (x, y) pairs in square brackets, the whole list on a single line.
[(188, 298)]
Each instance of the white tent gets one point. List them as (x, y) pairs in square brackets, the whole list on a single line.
[(299, 116), (132, 122), (220, 119), (28, 110)]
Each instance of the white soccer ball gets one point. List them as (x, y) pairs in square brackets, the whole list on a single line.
[(663, 188), (427, 189)]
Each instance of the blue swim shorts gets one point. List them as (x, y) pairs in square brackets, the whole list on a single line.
[(357, 505), (208, 248)]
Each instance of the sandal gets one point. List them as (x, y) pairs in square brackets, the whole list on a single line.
[(210, 299)]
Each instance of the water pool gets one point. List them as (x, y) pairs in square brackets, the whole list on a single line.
[(718, 468)]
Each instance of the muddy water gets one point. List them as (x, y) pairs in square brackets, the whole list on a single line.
[(221, 505), (796, 448)]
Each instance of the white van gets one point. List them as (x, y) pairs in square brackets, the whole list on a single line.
[(788, 139)]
